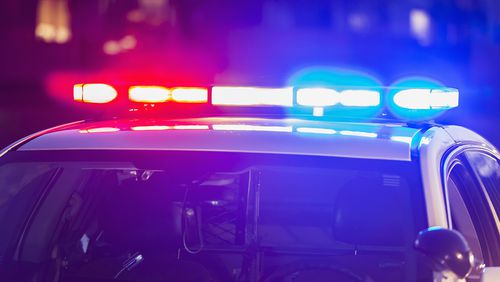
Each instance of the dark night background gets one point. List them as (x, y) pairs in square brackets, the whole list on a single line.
[(49, 45)]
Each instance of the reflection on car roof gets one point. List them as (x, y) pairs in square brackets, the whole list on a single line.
[(229, 134)]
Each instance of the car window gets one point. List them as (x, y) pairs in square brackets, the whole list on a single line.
[(20, 185), (294, 212), (250, 217), (469, 212), (487, 169), (462, 220)]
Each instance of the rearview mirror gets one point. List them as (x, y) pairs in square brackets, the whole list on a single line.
[(447, 251)]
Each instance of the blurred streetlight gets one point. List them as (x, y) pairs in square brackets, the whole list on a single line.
[(53, 21)]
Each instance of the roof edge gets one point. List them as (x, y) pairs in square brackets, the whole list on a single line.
[(30, 137)]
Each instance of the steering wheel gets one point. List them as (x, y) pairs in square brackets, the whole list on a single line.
[(305, 271)]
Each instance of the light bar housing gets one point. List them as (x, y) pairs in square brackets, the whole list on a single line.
[(161, 94)]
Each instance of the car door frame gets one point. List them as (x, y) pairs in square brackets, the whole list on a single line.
[(436, 148), (458, 153)]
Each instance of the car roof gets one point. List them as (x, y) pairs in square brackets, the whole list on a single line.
[(389, 141)]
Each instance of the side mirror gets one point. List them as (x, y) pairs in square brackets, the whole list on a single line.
[(447, 251), (491, 274)]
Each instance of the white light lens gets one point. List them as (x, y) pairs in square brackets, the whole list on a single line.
[(444, 99), (413, 99), (148, 94), (190, 95), (96, 93), (245, 127), (427, 99), (317, 97), (360, 98), (252, 96), (78, 92)]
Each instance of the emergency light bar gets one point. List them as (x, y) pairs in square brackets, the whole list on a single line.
[(160, 94), (317, 99)]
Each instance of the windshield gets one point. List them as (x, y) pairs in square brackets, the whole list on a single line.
[(184, 216)]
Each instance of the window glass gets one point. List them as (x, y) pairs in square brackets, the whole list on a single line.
[(170, 217), (350, 206), (20, 184), (488, 171), (470, 212), (461, 219), (300, 212)]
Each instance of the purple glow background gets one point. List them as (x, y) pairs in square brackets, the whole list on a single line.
[(250, 43)]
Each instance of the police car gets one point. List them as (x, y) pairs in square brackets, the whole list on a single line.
[(252, 184)]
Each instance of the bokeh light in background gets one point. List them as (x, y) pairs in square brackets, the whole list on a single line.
[(50, 45), (53, 21)]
